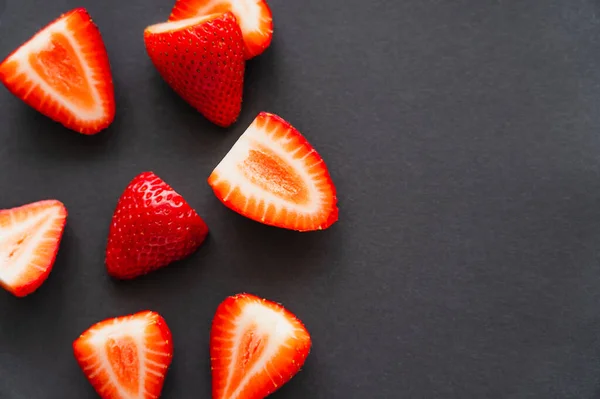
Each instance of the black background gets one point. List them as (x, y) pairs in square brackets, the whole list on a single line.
[(464, 139)]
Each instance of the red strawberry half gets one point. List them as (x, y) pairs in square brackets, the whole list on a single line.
[(30, 236), (202, 59), (152, 227), (254, 17), (256, 346), (126, 357), (274, 176), (63, 72)]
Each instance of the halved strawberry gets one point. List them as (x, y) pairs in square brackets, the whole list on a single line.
[(29, 239), (274, 176), (254, 17), (256, 346), (126, 357), (152, 226), (63, 72), (202, 59)]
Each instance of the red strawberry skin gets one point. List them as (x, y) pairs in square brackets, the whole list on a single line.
[(256, 346), (254, 17), (152, 227), (88, 113), (203, 63)]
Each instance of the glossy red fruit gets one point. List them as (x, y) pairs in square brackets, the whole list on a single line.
[(63, 72), (152, 227), (273, 175), (30, 236), (256, 346), (202, 59), (254, 18), (126, 357)]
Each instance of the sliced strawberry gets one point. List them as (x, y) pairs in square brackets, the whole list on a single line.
[(63, 72), (152, 227), (202, 59), (254, 17), (273, 175), (256, 346), (126, 357), (29, 239)]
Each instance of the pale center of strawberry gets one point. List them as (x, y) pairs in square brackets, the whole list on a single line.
[(59, 66), (123, 357), (266, 169)]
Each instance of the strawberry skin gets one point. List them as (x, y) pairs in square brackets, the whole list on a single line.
[(152, 226), (272, 175), (30, 236), (63, 72), (202, 60), (254, 17), (126, 357), (256, 346)]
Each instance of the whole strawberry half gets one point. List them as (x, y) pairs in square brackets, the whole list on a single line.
[(256, 346), (152, 227), (63, 72), (202, 60), (126, 357)]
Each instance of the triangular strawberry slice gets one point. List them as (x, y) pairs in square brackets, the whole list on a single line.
[(63, 72), (30, 236), (254, 18), (126, 357), (274, 176), (256, 346)]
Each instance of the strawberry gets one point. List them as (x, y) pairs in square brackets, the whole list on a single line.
[(29, 239), (274, 176), (254, 17), (126, 357), (202, 59), (63, 72), (152, 227), (256, 346)]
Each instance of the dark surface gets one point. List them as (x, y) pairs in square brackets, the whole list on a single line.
[(464, 139)]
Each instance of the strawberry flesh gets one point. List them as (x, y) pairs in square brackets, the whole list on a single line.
[(256, 346), (64, 73), (126, 357), (152, 227), (30, 236), (254, 17), (202, 60), (274, 176)]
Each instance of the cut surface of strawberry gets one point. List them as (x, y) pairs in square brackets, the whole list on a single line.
[(126, 357), (64, 73), (274, 176), (202, 60), (152, 226), (30, 236), (254, 17), (256, 346)]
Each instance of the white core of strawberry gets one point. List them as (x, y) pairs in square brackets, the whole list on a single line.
[(43, 41), (18, 245), (135, 329), (229, 169), (265, 322), (178, 25)]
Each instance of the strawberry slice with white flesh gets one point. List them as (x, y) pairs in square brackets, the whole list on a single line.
[(63, 72), (256, 346), (30, 236), (126, 357), (274, 176), (254, 17)]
